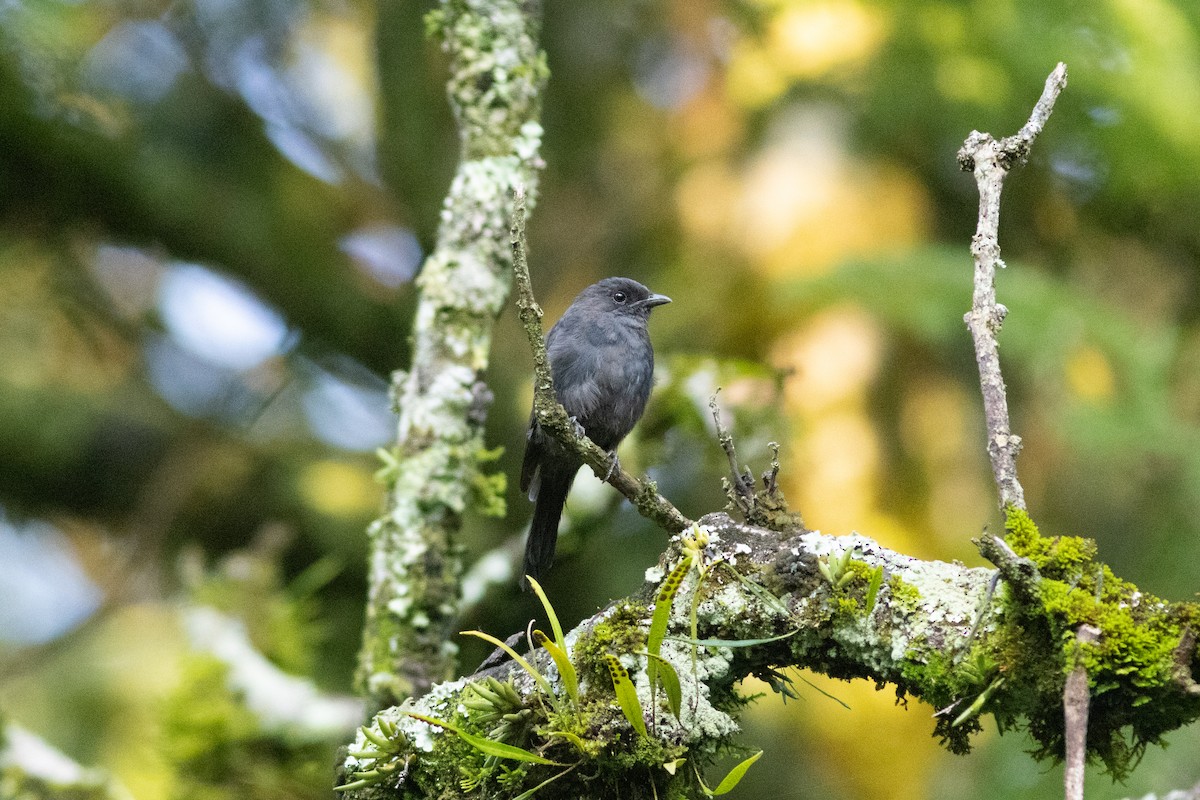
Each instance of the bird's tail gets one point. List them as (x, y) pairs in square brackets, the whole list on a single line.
[(543, 531)]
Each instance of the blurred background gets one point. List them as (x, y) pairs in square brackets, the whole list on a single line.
[(211, 213)]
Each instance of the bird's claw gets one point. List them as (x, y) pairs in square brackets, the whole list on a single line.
[(613, 465), (579, 431)]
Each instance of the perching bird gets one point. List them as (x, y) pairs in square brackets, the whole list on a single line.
[(603, 368)]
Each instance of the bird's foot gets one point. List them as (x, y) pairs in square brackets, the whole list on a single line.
[(613, 465), (579, 431)]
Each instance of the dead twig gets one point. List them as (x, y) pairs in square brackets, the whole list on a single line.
[(991, 160)]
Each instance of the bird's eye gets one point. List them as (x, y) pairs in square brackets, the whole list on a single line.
[(619, 297)]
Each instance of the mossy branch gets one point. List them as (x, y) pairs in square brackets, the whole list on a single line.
[(816, 601), (435, 472), (549, 414), (32, 767)]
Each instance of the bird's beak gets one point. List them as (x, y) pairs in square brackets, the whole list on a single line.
[(656, 300)]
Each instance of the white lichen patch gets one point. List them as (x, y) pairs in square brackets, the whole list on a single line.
[(698, 720)]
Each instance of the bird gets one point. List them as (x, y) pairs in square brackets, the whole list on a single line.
[(602, 363)]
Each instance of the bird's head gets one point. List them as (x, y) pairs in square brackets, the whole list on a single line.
[(623, 296)]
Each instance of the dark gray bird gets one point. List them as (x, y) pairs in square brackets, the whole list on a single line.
[(603, 368)]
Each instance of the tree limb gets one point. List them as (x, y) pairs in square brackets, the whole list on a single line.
[(842, 606), (435, 472)]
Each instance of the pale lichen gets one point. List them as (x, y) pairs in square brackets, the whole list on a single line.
[(497, 72)]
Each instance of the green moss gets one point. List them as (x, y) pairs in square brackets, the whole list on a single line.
[(487, 488), (620, 632), (904, 595), (1060, 557), (1132, 663)]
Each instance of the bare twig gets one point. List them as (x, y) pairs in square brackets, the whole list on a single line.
[(740, 488), (549, 413), (1075, 714), (1020, 573), (991, 160)]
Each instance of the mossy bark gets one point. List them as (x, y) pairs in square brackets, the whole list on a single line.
[(843, 606), (435, 472)]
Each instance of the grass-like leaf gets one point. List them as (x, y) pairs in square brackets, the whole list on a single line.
[(819, 690), (559, 639), (873, 588), (764, 596), (732, 642), (731, 780), (565, 668), (626, 694), (974, 709), (670, 682), (572, 738), (543, 784), (538, 678), (484, 745)]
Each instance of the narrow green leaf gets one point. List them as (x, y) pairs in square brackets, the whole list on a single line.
[(979, 703), (346, 787), (670, 681), (732, 779), (662, 615), (626, 694), (757, 590), (731, 642), (491, 747), (541, 681), (486, 746), (376, 739), (559, 639), (543, 784), (873, 588), (835, 699), (570, 737), (364, 754), (662, 604), (565, 668)]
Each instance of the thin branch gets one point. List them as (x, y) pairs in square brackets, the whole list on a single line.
[(549, 413), (1076, 699), (991, 160), (740, 488), (1019, 573)]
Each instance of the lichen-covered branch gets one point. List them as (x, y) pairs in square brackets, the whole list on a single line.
[(436, 471), (283, 704), (991, 160), (31, 767), (550, 414), (762, 601)]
